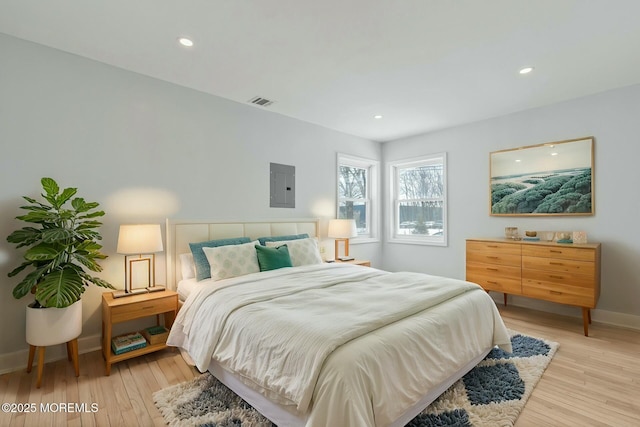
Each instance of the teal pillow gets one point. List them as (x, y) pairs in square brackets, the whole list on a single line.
[(203, 269), (273, 258), (263, 240)]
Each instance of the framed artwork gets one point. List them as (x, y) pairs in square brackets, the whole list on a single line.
[(555, 178)]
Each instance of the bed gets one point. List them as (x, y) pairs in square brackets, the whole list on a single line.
[(320, 344)]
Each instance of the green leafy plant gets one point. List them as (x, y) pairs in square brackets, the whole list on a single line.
[(61, 245)]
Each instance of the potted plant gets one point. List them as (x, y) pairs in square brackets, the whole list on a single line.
[(61, 243)]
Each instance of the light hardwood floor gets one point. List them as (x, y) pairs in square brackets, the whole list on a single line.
[(591, 381)]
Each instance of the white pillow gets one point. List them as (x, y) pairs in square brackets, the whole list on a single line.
[(232, 260), (187, 266), (302, 251)]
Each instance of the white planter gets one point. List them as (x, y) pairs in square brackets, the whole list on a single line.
[(49, 326)]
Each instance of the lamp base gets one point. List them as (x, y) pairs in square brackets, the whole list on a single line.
[(155, 288), (346, 248)]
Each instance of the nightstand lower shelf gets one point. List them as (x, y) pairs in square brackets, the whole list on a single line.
[(150, 348)]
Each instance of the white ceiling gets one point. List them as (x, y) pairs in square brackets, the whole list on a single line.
[(422, 64)]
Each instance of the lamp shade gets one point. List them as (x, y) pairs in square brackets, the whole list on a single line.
[(342, 228), (139, 239)]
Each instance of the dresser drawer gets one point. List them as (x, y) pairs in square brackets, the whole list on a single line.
[(136, 310), (558, 265), (495, 277), (560, 278), (498, 258), (564, 294), (560, 252), (492, 247)]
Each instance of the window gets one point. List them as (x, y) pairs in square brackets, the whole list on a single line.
[(419, 189), (357, 193)]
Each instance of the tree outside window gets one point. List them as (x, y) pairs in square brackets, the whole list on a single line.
[(419, 189), (356, 193)]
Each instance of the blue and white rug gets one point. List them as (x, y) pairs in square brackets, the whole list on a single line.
[(491, 394)]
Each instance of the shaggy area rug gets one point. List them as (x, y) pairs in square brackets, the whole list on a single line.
[(491, 394)]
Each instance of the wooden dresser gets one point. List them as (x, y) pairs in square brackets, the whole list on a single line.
[(562, 273)]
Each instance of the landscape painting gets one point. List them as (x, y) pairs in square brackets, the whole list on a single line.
[(554, 178)]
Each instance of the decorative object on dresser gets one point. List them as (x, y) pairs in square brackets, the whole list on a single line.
[(511, 233), (580, 237), (342, 230), (143, 241), (62, 241), (554, 178), (566, 274), (116, 310)]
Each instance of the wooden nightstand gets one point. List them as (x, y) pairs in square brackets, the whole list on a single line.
[(363, 262), (116, 310)]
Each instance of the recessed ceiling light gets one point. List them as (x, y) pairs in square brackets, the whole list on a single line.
[(377, 116), (518, 160), (186, 42), (526, 70), (554, 154)]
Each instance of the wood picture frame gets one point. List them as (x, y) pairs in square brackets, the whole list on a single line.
[(554, 178), (140, 272)]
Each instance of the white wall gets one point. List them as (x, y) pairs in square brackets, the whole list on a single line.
[(612, 118), (145, 150)]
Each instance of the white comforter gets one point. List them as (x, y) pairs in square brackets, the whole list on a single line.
[(351, 342)]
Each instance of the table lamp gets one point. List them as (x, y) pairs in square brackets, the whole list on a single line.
[(139, 243), (342, 230)]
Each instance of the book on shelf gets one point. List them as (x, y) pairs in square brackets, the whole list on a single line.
[(128, 342)]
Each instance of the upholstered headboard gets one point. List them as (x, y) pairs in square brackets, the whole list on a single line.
[(180, 233)]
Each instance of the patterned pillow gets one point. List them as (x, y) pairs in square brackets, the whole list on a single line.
[(264, 240), (302, 251), (233, 260), (200, 259)]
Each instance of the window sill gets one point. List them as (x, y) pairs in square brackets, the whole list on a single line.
[(363, 240), (417, 242)]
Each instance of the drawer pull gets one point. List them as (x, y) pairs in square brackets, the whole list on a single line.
[(492, 269), (556, 263), (492, 246), (492, 257), (147, 307), (556, 277), (555, 251), (491, 282), (555, 292)]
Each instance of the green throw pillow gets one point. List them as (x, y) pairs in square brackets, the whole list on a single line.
[(273, 258)]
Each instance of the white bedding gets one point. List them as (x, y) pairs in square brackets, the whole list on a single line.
[(185, 287), (378, 341)]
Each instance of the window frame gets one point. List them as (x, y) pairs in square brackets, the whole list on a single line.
[(372, 191), (394, 203)]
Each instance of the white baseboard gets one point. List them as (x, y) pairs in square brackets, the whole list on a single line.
[(597, 315), (10, 362)]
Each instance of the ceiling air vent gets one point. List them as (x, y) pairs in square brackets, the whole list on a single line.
[(263, 102)]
